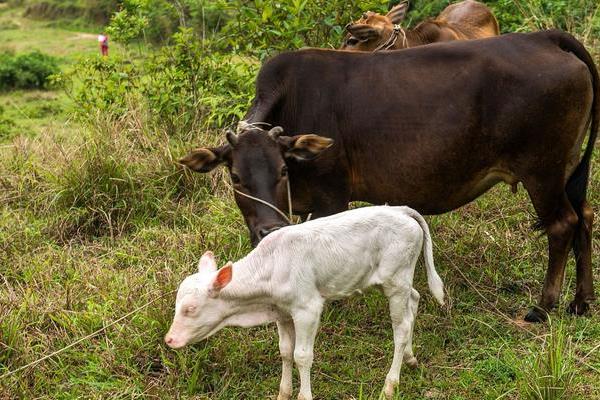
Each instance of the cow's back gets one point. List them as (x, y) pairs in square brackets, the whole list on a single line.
[(459, 116), (471, 19)]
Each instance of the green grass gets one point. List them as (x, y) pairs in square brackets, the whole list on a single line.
[(73, 259), (60, 281)]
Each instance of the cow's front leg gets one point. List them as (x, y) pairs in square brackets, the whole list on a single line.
[(306, 323), (286, 348)]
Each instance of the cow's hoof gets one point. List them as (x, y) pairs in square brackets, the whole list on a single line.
[(578, 308), (536, 315)]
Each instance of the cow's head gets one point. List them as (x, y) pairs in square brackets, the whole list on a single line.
[(373, 29), (257, 162)]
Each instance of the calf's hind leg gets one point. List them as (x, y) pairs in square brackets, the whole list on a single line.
[(409, 357), (582, 247), (402, 324)]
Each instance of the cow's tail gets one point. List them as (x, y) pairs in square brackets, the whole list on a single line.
[(436, 286), (578, 181)]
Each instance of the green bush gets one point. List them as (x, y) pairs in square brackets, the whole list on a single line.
[(182, 86), (26, 71), (101, 85)]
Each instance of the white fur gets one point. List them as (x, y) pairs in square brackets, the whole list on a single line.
[(294, 270)]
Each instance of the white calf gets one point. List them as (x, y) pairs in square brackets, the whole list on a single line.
[(291, 273)]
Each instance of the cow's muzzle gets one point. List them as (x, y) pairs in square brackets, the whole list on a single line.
[(263, 232)]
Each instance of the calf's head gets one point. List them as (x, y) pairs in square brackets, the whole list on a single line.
[(373, 29), (257, 162), (199, 312)]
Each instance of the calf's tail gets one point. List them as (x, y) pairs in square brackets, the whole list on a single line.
[(436, 286)]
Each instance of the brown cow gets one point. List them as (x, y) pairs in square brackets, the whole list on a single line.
[(461, 117), (466, 20)]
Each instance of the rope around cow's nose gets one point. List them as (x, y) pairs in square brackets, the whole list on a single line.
[(289, 219)]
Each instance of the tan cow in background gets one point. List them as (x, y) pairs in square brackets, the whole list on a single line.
[(465, 20)]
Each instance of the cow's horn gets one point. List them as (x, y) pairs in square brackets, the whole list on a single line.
[(232, 138), (242, 126), (275, 132)]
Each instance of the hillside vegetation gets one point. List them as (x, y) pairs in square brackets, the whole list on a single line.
[(97, 220)]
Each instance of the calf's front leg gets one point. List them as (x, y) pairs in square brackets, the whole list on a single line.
[(306, 324), (286, 348)]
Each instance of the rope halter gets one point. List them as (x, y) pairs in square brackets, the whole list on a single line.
[(391, 40)]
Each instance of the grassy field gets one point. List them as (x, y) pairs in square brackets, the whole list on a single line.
[(97, 221)]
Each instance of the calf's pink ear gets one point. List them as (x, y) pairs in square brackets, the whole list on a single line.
[(223, 277), (207, 262)]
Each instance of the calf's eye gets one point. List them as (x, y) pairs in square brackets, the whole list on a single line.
[(234, 178), (284, 172), (189, 310)]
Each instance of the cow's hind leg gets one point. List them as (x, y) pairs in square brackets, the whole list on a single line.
[(559, 221), (582, 247), (402, 324)]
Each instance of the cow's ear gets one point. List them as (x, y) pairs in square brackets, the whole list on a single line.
[(305, 147), (222, 279), (398, 12), (205, 159), (207, 262), (363, 32)]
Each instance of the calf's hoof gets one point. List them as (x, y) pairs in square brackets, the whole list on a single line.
[(284, 396), (578, 307), (412, 362), (537, 315)]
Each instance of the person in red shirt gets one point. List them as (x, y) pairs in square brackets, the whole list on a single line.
[(103, 40)]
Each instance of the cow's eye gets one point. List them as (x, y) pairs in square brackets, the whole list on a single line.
[(234, 178), (351, 41), (284, 172)]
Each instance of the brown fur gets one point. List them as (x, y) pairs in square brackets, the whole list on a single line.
[(432, 138), (465, 20)]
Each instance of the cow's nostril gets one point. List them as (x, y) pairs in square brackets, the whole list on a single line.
[(265, 231)]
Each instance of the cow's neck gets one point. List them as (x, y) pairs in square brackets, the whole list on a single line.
[(424, 33)]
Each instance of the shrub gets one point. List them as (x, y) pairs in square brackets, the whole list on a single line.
[(183, 87), (26, 71), (100, 85)]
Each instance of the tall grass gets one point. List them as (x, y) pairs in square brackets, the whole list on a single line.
[(549, 373)]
